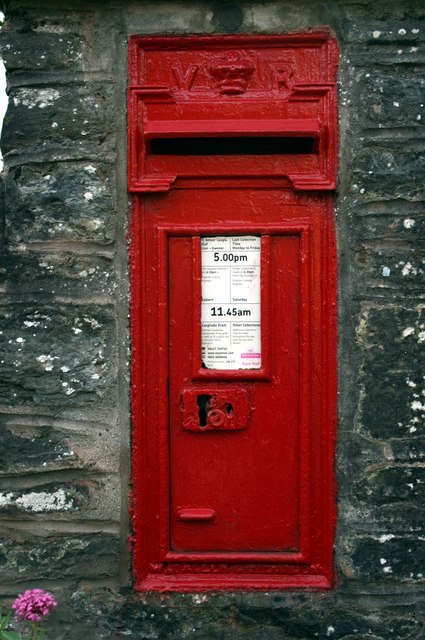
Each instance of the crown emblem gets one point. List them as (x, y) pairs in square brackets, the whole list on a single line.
[(231, 73)]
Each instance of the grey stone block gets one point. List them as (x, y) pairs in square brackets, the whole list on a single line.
[(60, 202), (60, 121), (57, 355), (45, 443), (393, 340), (36, 557), (388, 558), (40, 51)]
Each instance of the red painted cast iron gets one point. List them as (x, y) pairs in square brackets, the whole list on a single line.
[(233, 483)]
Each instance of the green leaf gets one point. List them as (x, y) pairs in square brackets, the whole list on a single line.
[(4, 621), (10, 635)]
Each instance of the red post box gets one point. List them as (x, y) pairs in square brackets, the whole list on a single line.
[(232, 154)]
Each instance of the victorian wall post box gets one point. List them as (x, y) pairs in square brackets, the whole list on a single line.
[(232, 154)]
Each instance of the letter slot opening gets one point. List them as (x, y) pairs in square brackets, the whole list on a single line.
[(233, 146)]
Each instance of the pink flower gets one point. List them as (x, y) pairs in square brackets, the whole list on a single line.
[(33, 605)]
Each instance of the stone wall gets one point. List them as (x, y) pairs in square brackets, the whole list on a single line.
[(64, 374)]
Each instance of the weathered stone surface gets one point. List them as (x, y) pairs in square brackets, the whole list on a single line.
[(392, 485), (393, 402), (57, 354), (40, 51), (59, 120), (31, 557), (51, 498), (41, 443), (336, 623), (391, 101), (409, 450), (163, 18), (85, 39), (60, 202), (289, 17), (391, 268), (242, 617), (63, 274), (89, 498), (381, 25), (395, 222), (2, 214), (364, 454), (388, 172), (403, 53), (390, 558), (30, 448), (386, 498)]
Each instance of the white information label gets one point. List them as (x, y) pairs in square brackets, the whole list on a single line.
[(231, 303)]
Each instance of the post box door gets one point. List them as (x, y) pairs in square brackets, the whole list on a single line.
[(233, 463), (234, 444)]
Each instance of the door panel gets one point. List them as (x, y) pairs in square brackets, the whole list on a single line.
[(236, 489)]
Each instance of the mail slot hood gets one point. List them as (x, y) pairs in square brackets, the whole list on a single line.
[(214, 107)]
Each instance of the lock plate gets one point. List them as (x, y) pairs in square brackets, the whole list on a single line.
[(214, 408)]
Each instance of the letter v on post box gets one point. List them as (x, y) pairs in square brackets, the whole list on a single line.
[(232, 163)]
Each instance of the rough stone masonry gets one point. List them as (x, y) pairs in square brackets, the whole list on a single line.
[(64, 365)]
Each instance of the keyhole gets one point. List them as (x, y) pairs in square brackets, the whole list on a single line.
[(228, 407), (203, 401)]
